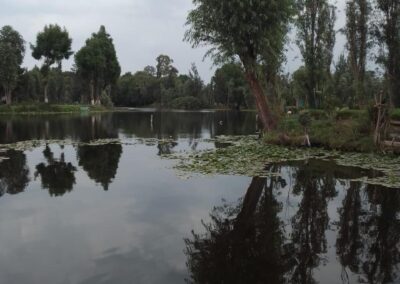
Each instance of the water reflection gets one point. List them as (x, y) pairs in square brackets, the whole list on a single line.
[(14, 173), (161, 125), (283, 231), (100, 162), (56, 175), (244, 243), (368, 241), (310, 224)]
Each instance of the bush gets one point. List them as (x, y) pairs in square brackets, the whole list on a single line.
[(305, 120), (350, 114), (316, 114), (187, 103), (106, 100), (395, 114)]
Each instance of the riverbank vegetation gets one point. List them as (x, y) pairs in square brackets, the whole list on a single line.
[(42, 108)]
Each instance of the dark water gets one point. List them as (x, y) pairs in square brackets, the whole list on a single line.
[(119, 214)]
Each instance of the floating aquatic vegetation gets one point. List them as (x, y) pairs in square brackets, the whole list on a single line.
[(249, 156)]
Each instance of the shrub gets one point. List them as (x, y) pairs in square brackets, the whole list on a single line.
[(305, 120), (395, 114), (106, 100), (316, 114), (188, 103), (350, 114)]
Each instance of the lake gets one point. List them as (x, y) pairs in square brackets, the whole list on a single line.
[(116, 211)]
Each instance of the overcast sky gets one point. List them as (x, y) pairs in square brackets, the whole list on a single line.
[(141, 29)]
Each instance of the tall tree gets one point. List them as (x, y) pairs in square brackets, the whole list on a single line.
[(316, 39), (164, 66), (12, 51), (387, 32), (229, 85), (244, 29), (54, 45), (357, 13), (98, 64)]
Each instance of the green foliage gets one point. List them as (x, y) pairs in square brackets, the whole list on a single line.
[(305, 120), (386, 33), (237, 27), (106, 100), (140, 89), (254, 31), (164, 66), (352, 134), (188, 103), (42, 108), (316, 114), (12, 50), (230, 87), (395, 114), (146, 88), (346, 135), (316, 39), (350, 114), (97, 63), (356, 31), (53, 44)]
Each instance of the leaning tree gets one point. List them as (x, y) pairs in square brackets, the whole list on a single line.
[(245, 29)]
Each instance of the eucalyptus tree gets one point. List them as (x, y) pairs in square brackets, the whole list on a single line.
[(243, 29), (150, 70), (356, 31), (12, 51), (387, 33), (164, 66), (98, 64), (316, 39), (54, 45)]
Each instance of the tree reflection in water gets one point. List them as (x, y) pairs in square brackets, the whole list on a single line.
[(100, 162), (57, 176), (368, 241), (311, 220), (255, 241), (244, 242), (14, 173)]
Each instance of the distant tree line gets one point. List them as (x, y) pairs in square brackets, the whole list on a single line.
[(249, 51), (96, 76)]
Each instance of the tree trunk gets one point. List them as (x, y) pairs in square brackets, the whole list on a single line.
[(251, 199), (263, 108), (92, 92), (7, 93), (46, 98)]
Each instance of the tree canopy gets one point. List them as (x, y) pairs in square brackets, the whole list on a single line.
[(12, 51), (98, 64), (316, 38), (245, 29), (54, 45)]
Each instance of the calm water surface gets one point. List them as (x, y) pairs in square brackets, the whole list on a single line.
[(118, 213)]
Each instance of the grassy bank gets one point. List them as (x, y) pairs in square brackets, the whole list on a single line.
[(347, 130), (48, 108)]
